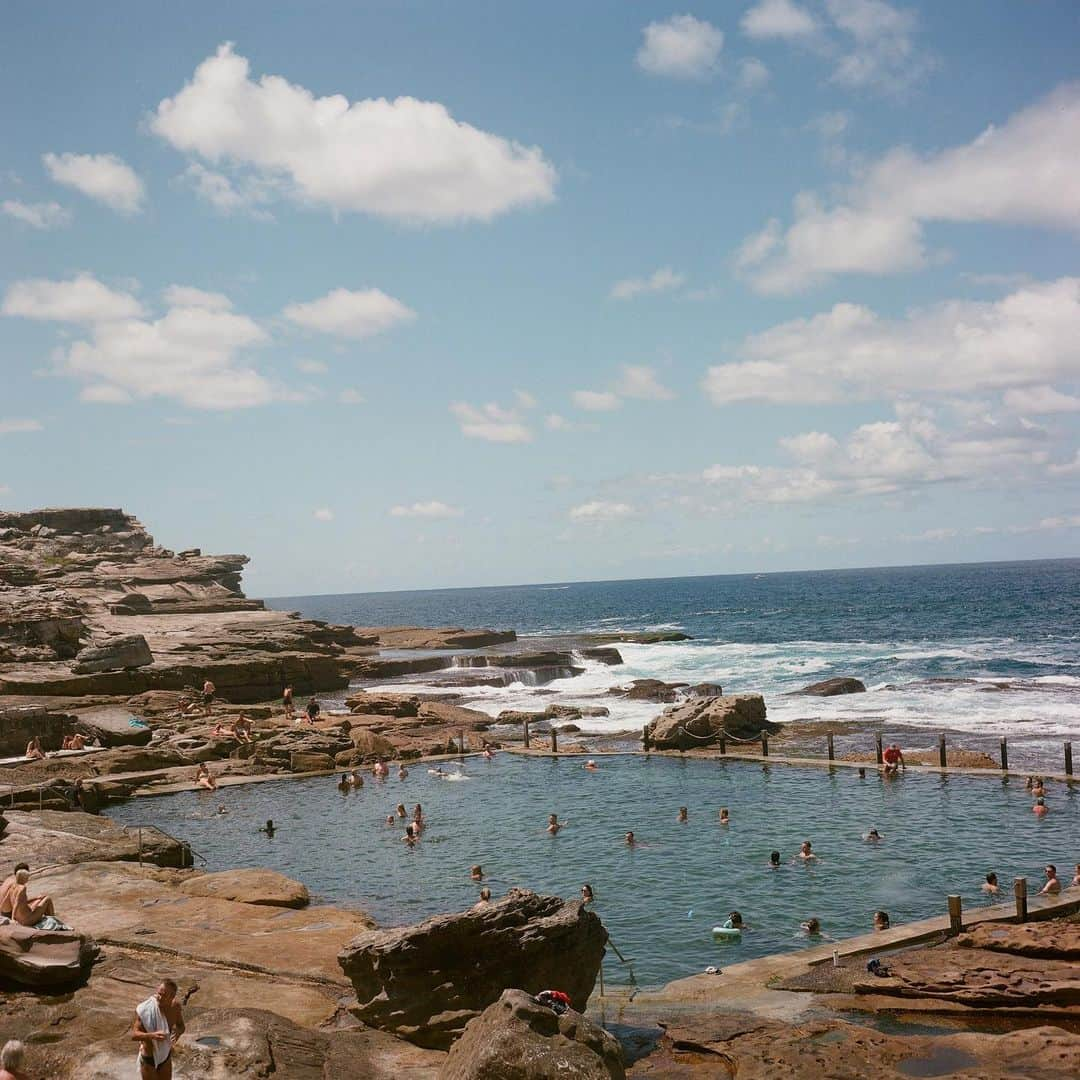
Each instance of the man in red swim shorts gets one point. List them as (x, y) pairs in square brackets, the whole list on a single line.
[(893, 758)]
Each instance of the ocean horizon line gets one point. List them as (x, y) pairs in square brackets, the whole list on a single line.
[(678, 577)]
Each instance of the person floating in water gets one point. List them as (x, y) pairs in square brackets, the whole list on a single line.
[(390, 819), (268, 828), (811, 927), (683, 814), (892, 758), (734, 922), (400, 811), (774, 860), (725, 817), (343, 783), (629, 838), (553, 825), (381, 770), (1053, 885), (476, 872), (590, 765), (873, 837), (806, 853), (412, 834), (1037, 788), (587, 893), (990, 885), (881, 920), (1040, 809), (418, 816)]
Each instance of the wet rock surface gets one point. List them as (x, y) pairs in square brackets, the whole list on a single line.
[(700, 722), (518, 1039), (426, 982), (833, 688)]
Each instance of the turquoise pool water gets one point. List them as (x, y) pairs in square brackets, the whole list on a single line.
[(660, 899)]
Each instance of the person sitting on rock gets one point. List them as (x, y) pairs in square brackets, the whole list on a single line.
[(78, 742), (892, 758), (219, 730), (7, 888), (1053, 884), (66, 744), (1075, 883), (33, 749), (990, 885), (242, 729), (12, 1057), (25, 910), (313, 708), (204, 778)]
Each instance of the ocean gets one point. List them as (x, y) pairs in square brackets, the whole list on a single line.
[(980, 649)]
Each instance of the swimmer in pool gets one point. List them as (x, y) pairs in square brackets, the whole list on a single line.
[(412, 834), (990, 885), (629, 838), (268, 828), (881, 920), (418, 815), (402, 772), (683, 814), (725, 817), (590, 765), (343, 783), (862, 774), (400, 811), (1037, 788), (381, 770), (774, 860), (734, 922), (355, 779), (437, 771), (487, 754), (1075, 883), (553, 825), (476, 872), (485, 896), (805, 852), (1040, 809), (873, 837), (390, 819), (587, 893), (811, 927), (1053, 884)]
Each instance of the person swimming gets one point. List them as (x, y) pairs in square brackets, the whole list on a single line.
[(873, 837), (553, 825), (437, 771), (381, 770), (881, 920), (734, 921), (1040, 809), (590, 765), (487, 754), (1053, 884), (683, 814), (343, 783), (1037, 788), (476, 872), (355, 779), (390, 819), (725, 817), (811, 927), (774, 859), (268, 828), (587, 896), (418, 815), (629, 838), (402, 772), (806, 853), (990, 885), (400, 810), (412, 834), (485, 896)]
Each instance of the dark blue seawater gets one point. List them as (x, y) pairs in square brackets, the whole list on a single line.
[(989, 648)]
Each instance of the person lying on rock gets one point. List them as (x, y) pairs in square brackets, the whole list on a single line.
[(33, 749), (27, 911), (159, 1022)]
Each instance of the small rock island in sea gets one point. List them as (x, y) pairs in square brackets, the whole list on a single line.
[(126, 667)]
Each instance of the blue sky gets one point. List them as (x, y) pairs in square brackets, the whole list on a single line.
[(396, 295)]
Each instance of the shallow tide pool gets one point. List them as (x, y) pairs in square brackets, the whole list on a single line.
[(660, 899)]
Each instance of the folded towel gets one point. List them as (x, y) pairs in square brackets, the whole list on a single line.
[(153, 1019), (50, 922)]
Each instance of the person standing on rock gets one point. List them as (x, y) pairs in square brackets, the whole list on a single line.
[(159, 1022), (208, 691), (287, 699)]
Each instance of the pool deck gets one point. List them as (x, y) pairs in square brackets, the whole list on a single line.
[(749, 986)]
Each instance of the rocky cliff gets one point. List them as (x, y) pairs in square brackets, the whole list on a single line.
[(90, 605)]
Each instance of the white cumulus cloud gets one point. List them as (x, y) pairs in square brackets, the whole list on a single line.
[(350, 314), (778, 19), (82, 299), (596, 400), (49, 215), (663, 280), (1029, 338), (681, 47), (600, 510), (1037, 400), (433, 509), (491, 422), (403, 159), (1021, 173), (640, 381), (103, 177), (16, 425)]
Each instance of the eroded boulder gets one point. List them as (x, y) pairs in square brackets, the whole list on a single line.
[(833, 687), (519, 1039), (44, 959), (116, 654), (249, 886), (738, 716), (426, 982)]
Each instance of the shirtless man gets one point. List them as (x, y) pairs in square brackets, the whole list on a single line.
[(1053, 884), (151, 1041), (553, 825), (893, 759), (12, 1057), (78, 742), (242, 729), (7, 887), (208, 692), (287, 699), (27, 911), (990, 885), (33, 749), (805, 852)]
